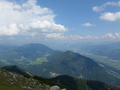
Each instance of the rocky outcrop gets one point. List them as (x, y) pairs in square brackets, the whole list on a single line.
[(56, 88)]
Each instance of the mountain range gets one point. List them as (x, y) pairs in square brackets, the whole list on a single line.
[(42, 61), (74, 64), (111, 50)]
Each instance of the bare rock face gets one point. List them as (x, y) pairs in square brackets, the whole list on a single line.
[(56, 88)]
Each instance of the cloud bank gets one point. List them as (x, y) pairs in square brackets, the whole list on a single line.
[(88, 37), (112, 35), (28, 19)]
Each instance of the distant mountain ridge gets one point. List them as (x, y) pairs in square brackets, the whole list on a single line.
[(74, 64), (26, 54), (32, 49), (109, 50)]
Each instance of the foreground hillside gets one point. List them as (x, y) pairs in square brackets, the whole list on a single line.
[(14, 81), (81, 84), (18, 70)]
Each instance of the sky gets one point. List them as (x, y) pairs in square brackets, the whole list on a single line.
[(67, 21)]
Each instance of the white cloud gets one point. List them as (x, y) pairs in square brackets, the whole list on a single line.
[(10, 30), (101, 8), (97, 9), (108, 35), (27, 19), (70, 37), (55, 36), (75, 37), (44, 26), (88, 24), (110, 16), (78, 37), (88, 37), (112, 35), (117, 34)]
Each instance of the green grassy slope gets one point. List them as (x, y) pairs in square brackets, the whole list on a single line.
[(13, 81)]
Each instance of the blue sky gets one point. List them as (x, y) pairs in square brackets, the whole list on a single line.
[(25, 21)]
